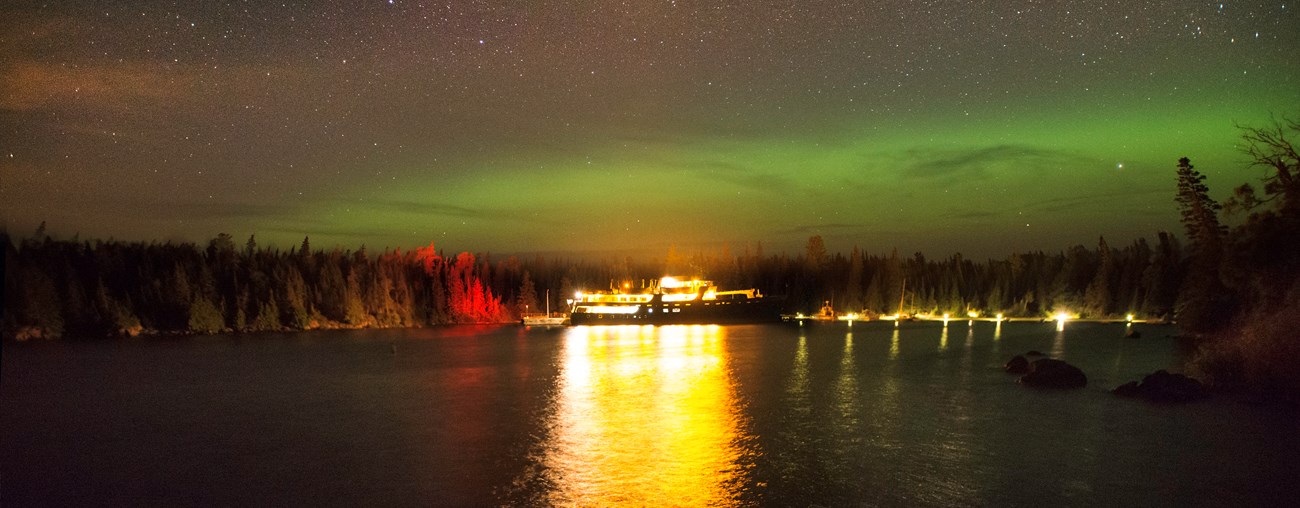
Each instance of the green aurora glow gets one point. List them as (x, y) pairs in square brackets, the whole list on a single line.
[(959, 130)]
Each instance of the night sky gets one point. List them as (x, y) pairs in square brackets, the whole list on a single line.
[(981, 127)]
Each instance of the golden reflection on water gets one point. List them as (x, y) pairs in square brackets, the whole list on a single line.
[(1058, 343), (645, 416), (846, 384), (893, 344), (847, 397)]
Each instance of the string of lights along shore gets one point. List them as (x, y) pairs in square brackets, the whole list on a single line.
[(982, 127)]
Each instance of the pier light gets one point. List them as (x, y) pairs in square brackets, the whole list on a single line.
[(1129, 318), (999, 317), (945, 319), (1061, 318), (972, 314)]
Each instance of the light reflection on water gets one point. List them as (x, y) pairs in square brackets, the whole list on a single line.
[(643, 414), (590, 416)]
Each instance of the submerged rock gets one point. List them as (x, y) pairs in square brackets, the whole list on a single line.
[(1162, 386), (1016, 365), (1049, 373)]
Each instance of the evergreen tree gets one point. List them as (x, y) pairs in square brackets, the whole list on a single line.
[(526, 301), (1201, 300), (1097, 297), (205, 317)]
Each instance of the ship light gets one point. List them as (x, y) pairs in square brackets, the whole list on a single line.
[(614, 309)]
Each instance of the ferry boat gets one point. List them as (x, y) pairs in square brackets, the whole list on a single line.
[(673, 300)]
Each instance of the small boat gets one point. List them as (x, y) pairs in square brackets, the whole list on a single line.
[(547, 319)]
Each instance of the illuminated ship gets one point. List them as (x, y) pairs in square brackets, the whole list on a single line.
[(675, 301)]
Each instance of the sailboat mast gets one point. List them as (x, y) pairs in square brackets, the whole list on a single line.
[(902, 294)]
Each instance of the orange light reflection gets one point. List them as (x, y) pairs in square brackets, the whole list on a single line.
[(645, 416)]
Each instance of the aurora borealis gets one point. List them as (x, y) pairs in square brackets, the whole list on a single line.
[(979, 127)]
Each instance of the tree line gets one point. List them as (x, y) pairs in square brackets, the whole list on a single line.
[(97, 288)]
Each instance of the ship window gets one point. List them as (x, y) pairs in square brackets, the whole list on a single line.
[(677, 310)]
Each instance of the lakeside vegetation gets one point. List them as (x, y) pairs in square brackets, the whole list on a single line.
[(107, 288), (1241, 297)]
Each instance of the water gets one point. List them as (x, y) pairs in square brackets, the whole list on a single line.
[(600, 416)]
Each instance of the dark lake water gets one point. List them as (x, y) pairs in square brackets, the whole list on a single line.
[(599, 416)]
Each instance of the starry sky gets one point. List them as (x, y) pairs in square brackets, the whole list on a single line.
[(981, 127)]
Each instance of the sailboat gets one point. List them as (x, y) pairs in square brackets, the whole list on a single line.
[(545, 319)]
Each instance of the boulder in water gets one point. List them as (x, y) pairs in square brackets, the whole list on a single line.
[(1162, 386), (1050, 373), (1016, 365)]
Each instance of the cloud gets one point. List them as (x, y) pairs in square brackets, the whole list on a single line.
[(1069, 203), (34, 85), (440, 210), (974, 162)]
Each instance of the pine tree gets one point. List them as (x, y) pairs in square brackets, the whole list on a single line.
[(526, 301), (1201, 300), (1097, 297)]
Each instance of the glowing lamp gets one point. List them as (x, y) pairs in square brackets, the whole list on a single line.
[(999, 316), (1061, 317), (1129, 318), (972, 314)]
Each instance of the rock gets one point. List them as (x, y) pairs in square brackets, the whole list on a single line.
[(1162, 386), (1129, 389), (1049, 373), (1016, 365)]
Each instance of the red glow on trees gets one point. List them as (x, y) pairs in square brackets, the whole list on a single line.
[(470, 301)]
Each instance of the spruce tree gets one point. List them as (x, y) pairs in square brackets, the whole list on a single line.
[(1202, 298)]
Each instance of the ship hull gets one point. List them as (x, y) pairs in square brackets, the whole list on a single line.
[(761, 310)]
